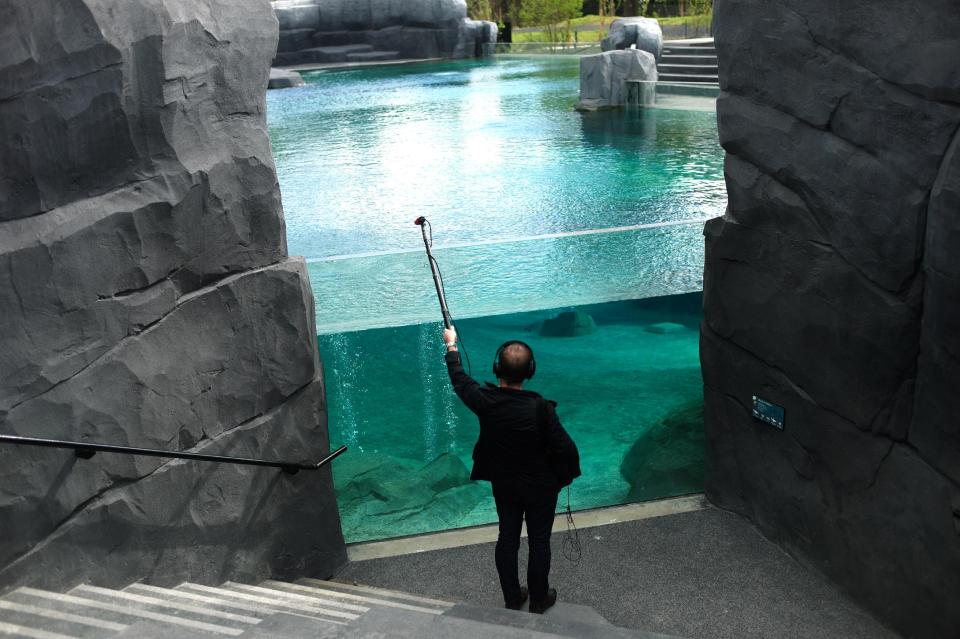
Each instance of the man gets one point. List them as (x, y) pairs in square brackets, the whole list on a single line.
[(526, 455)]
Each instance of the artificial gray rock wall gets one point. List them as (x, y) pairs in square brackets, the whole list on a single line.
[(338, 30), (605, 78), (148, 300), (832, 288), (643, 33)]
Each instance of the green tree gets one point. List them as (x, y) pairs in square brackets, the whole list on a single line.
[(551, 15), (479, 9)]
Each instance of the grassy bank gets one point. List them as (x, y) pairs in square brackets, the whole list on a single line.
[(588, 29)]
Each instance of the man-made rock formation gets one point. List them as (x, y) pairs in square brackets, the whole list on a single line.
[(284, 79), (604, 77), (148, 301), (643, 33), (568, 324), (665, 328), (383, 494), (831, 288), (324, 31), (668, 458)]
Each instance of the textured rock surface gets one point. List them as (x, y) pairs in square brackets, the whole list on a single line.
[(388, 491), (831, 288), (668, 458), (284, 79), (569, 324), (603, 76), (149, 301), (644, 33), (412, 28)]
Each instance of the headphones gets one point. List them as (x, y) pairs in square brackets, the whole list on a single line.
[(531, 369)]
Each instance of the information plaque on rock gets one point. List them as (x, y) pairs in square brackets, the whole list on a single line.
[(768, 412)]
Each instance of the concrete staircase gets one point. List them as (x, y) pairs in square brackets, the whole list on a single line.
[(693, 61), (305, 608)]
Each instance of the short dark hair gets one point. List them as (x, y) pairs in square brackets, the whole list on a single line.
[(515, 363)]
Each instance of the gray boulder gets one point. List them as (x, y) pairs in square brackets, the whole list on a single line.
[(284, 79), (604, 76), (382, 495), (149, 301), (667, 459), (643, 33), (569, 324)]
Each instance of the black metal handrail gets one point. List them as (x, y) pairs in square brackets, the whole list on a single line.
[(85, 450)]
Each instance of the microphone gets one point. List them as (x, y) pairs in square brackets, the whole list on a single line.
[(420, 220)]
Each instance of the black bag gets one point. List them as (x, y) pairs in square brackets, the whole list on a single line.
[(562, 453)]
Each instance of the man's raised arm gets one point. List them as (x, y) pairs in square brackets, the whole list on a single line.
[(466, 388)]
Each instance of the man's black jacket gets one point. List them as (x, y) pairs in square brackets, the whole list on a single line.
[(521, 443)]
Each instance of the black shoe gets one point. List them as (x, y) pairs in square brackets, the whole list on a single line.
[(540, 607), (524, 594)]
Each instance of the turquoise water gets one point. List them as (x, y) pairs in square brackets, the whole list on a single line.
[(536, 209), (392, 404)]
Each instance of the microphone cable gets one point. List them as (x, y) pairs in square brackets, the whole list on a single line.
[(572, 550)]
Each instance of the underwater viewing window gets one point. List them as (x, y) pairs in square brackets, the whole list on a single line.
[(579, 233)]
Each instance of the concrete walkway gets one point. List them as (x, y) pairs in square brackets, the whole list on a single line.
[(701, 573)]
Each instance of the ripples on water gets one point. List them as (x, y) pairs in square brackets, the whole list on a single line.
[(483, 149), (494, 155)]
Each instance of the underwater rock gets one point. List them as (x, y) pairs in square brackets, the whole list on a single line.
[(446, 471), (667, 459), (449, 508), (148, 300), (603, 77), (393, 490), (393, 485), (664, 328), (568, 324), (644, 33)]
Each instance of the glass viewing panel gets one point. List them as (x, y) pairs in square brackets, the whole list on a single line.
[(538, 212)]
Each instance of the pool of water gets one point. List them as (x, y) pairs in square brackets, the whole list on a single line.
[(630, 395), (536, 210), (486, 150)]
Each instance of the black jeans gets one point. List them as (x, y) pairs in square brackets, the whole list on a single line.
[(538, 507)]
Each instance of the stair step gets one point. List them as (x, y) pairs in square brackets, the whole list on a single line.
[(271, 588), (676, 58), (216, 603), (707, 90), (317, 611), (688, 69), (117, 613), (375, 596), (176, 608), (689, 51), (685, 77), (292, 626), (313, 592), (26, 631), (42, 618), (338, 38), (372, 56), (333, 54), (383, 593), (565, 620), (405, 624)]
